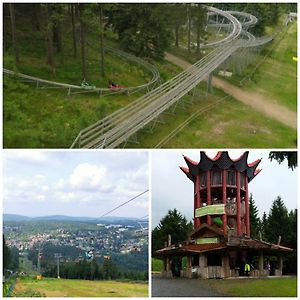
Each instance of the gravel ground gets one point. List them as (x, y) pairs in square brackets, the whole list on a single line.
[(182, 287)]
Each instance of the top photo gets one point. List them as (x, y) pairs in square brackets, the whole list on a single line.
[(144, 75)]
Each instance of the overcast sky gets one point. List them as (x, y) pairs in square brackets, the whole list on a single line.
[(85, 183), (172, 189)]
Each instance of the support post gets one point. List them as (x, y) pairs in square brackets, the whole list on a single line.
[(168, 264), (261, 263), (280, 264), (209, 83), (208, 194), (197, 201), (203, 265), (225, 265), (247, 207), (224, 196), (238, 203)]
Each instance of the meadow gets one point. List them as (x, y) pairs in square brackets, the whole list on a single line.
[(52, 287)]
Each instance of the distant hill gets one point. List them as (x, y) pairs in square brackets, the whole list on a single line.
[(12, 217), (104, 220)]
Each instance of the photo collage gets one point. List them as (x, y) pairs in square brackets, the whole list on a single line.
[(149, 149)]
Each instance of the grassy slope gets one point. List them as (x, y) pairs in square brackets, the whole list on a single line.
[(231, 124), (52, 287), (51, 119), (273, 287), (276, 78)]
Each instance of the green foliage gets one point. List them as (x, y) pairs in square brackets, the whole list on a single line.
[(173, 224), (280, 156), (255, 224), (6, 255), (29, 293), (277, 221), (282, 223), (156, 265), (141, 28)]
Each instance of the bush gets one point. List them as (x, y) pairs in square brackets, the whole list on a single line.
[(29, 293)]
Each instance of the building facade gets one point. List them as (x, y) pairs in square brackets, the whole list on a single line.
[(221, 242)]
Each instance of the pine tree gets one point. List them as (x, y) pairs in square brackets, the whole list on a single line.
[(277, 221), (290, 156), (14, 32), (255, 223), (264, 224), (174, 224)]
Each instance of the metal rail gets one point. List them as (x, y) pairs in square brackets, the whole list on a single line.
[(116, 128), (79, 89)]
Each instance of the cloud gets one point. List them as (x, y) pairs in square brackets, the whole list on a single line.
[(26, 156), (87, 176), (86, 185)]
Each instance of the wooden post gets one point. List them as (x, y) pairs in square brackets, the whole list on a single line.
[(169, 240), (208, 194), (247, 207), (198, 201), (238, 203), (280, 264), (225, 265), (261, 263), (168, 264), (224, 217)]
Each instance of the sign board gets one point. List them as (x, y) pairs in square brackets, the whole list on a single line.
[(217, 209), (212, 240)]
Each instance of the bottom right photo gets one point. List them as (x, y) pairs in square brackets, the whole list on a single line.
[(224, 223)]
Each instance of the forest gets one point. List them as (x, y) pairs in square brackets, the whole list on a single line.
[(147, 30)]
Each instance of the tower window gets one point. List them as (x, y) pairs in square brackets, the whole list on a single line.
[(231, 179), (242, 181), (203, 180), (216, 177)]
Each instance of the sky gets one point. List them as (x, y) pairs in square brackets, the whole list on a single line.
[(172, 189), (77, 183)]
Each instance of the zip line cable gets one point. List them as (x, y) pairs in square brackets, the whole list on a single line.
[(124, 203)]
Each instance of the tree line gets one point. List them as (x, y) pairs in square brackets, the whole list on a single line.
[(144, 29), (92, 270)]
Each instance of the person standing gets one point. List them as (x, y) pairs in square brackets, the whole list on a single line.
[(247, 269)]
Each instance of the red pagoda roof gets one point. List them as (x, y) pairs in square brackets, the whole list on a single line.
[(222, 161), (241, 243), (196, 248)]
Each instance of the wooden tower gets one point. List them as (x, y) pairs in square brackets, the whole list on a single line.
[(221, 196)]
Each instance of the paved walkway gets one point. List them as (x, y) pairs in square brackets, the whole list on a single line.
[(253, 99), (181, 287)]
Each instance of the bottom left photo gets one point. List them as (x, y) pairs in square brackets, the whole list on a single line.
[(75, 224)]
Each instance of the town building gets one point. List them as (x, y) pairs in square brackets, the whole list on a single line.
[(221, 243)]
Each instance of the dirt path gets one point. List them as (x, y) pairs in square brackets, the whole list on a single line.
[(253, 99)]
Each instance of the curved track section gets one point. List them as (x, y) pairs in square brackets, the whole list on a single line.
[(116, 128), (75, 89)]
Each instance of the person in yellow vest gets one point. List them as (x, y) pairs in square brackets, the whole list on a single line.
[(247, 269)]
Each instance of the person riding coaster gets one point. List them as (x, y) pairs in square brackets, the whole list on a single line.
[(112, 85), (85, 85)]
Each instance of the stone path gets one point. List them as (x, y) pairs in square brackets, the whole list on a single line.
[(182, 287)]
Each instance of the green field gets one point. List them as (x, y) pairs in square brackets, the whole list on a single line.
[(156, 265), (51, 287), (50, 118), (273, 287), (276, 78)]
